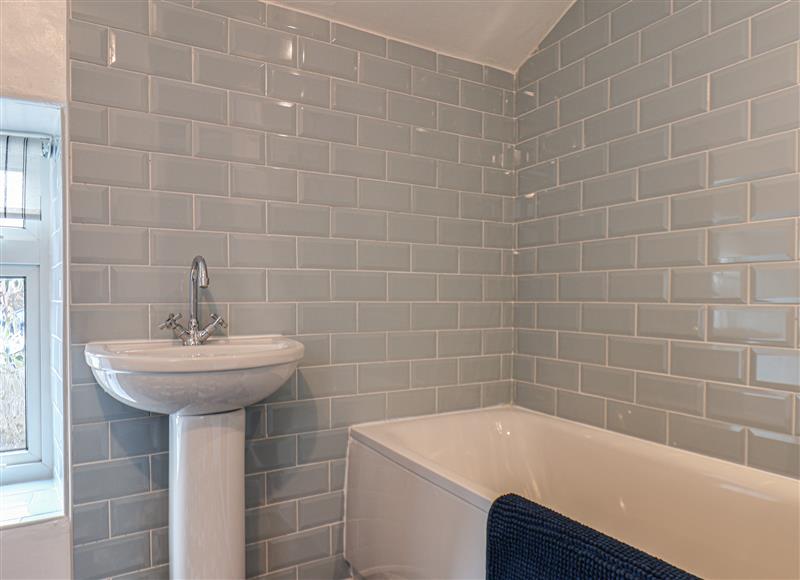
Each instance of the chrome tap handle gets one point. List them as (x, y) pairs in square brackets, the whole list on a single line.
[(218, 321), (171, 322), (176, 327)]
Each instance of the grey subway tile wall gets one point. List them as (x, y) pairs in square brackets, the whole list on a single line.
[(352, 192), (610, 235), (656, 263)]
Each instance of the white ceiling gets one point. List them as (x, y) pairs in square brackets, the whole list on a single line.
[(500, 33)]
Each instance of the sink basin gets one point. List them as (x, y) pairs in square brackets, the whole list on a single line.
[(163, 376)]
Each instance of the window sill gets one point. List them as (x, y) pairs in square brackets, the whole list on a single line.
[(33, 501)]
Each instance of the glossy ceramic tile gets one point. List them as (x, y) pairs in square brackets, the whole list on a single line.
[(754, 160), (359, 191), (683, 100), (88, 43), (181, 24), (757, 76), (670, 393), (754, 325), (259, 43), (640, 81), (188, 101), (709, 361), (755, 407), (148, 55), (712, 52)]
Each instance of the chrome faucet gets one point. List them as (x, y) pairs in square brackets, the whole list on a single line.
[(194, 336), (198, 278)]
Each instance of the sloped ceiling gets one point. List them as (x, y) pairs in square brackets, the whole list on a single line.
[(500, 33)]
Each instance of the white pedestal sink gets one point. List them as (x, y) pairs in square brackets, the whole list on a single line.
[(203, 389)]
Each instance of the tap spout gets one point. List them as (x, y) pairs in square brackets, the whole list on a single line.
[(198, 278)]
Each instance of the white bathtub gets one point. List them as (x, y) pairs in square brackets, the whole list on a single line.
[(419, 490)]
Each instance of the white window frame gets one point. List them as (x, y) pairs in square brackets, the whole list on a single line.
[(33, 462), (25, 252)]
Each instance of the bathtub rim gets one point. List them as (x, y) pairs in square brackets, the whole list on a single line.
[(482, 497)]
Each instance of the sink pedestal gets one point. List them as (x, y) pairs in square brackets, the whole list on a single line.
[(206, 496), (204, 390)]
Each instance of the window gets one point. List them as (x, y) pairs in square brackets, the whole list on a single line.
[(25, 442), (20, 364), (13, 364), (22, 167)]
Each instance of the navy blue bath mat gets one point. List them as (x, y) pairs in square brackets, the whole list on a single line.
[(527, 541)]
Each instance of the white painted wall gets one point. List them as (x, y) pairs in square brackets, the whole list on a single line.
[(33, 67), (39, 551), (33, 49)]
